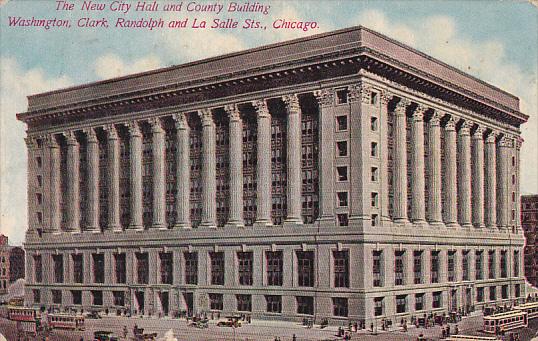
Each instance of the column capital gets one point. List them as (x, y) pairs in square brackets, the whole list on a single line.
[(492, 137), (506, 141), (325, 97), (156, 125), (418, 114), (519, 142), (233, 112), (51, 141), (134, 129), (292, 103), (30, 142), (435, 119), (180, 120), (402, 106), (479, 133), (360, 92), (70, 138), (465, 128), (206, 115), (386, 97), (450, 124), (112, 133), (261, 108), (91, 137)]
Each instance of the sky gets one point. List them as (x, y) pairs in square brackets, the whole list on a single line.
[(496, 41)]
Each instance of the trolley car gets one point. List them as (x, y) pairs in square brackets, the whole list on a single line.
[(65, 321), (496, 323), (23, 314), (530, 308)]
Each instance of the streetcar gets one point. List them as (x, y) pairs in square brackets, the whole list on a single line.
[(65, 321), (506, 321), (23, 314), (530, 308)]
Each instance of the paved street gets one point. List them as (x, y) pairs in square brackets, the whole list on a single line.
[(257, 331)]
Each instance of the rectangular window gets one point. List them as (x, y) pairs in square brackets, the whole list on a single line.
[(377, 275), (451, 266), (341, 123), (216, 301), (419, 302), (373, 98), (142, 267), (39, 162), (492, 293), (517, 290), (373, 123), (340, 306), (516, 263), (374, 199), (38, 268), (341, 147), (78, 269), (217, 268), (245, 267), (504, 292), (434, 267), (341, 96), (244, 302), (343, 219), (374, 174), (305, 305), (191, 267), (399, 271), (479, 270), (491, 264), (120, 267), (342, 199), (373, 149), (437, 299), (39, 181), (275, 265), (465, 265), (98, 268), (119, 298), (58, 261), (341, 269), (305, 268), (39, 198), (480, 294), (342, 173), (401, 304), (374, 218), (97, 297), (37, 296), (167, 265), (274, 303), (417, 266), (76, 295), (378, 306), (56, 296), (504, 264)]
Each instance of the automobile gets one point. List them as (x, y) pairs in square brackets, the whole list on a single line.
[(102, 335), (230, 321), (93, 315), (201, 324)]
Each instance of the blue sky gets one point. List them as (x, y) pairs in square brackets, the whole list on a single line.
[(495, 41)]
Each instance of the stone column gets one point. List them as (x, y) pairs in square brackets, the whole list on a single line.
[(293, 110), (418, 214), (92, 152), (209, 189), (518, 143), (159, 185), (325, 100), (113, 151), (263, 164), (400, 162), (236, 166), (464, 176), (490, 195), (183, 172), (55, 192), (478, 177), (506, 143), (385, 98), (450, 208), (73, 171), (434, 170), (136, 176)]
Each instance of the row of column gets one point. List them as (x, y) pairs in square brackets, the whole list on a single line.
[(209, 215), (468, 178)]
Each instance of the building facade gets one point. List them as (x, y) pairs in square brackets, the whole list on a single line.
[(16, 263), (4, 264), (529, 222), (343, 176)]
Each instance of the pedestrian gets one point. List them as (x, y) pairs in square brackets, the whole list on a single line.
[(125, 332), (457, 330), (448, 331), (294, 338), (443, 332)]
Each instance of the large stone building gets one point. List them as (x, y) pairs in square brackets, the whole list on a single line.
[(4, 264), (342, 176), (16, 263), (529, 222)]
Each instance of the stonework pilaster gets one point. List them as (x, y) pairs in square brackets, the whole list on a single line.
[(135, 144), (72, 175), (400, 162), (92, 155), (183, 174), (464, 174), (434, 170), (477, 187), (263, 164), (236, 165), (490, 193), (450, 208), (209, 189), (418, 209), (113, 151), (159, 173)]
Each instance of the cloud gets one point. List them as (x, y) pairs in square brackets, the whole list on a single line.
[(438, 36), (15, 84), (111, 65)]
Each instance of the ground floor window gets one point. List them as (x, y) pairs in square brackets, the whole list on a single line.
[(119, 298), (517, 290), (215, 302), (340, 306), (437, 301), (97, 297), (77, 296), (492, 293), (419, 302), (378, 306), (56, 296), (305, 305), (274, 303), (480, 294), (244, 302), (401, 304), (37, 295), (504, 292)]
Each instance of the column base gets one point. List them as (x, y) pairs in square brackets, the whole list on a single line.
[(133, 228), (452, 225), (328, 220), (291, 222), (402, 221), (420, 222), (93, 229), (234, 224), (208, 224), (184, 225), (467, 226), (262, 223), (479, 225), (159, 227), (437, 224)]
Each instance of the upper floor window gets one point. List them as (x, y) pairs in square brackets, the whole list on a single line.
[(341, 96)]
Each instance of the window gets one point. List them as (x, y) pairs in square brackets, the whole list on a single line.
[(274, 267), (373, 98), (419, 302), (417, 266), (142, 268), (215, 302), (217, 268), (341, 96), (504, 292), (492, 293), (39, 217), (374, 219), (342, 173), (341, 122), (76, 295), (341, 269), (56, 296), (191, 267), (374, 199), (120, 267), (491, 264), (37, 296), (513, 179), (480, 294), (437, 300), (451, 266), (342, 219), (39, 162), (305, 268), (373, 149), (244, 302), (98, 268), (373, 123), (504, 264), (517, 290), (479, 274), (434, 269), (167, 265), (401, 304), (516, 263), (340, 306), (378, 306), (274, 303), (58, 261), (342, 199), (38, 269), (78, 269), (39, 181), (245, 260), (39, 198), (341, 148), (119, 298), (399, 275), (377, 276), (305, 305), (97, 297), (374, 174)]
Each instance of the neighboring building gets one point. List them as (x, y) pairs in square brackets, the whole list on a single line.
[(16, 263), (342, 176), (4, 264), (529, 222)]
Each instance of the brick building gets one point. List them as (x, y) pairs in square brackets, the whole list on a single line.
[(529, 222)]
